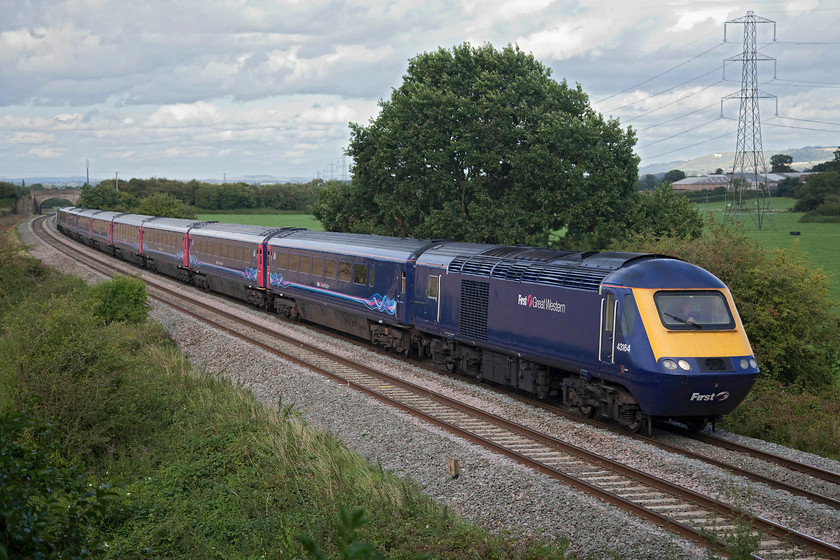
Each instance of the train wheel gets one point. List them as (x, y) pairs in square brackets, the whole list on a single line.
[(636, 422), (577, 403)]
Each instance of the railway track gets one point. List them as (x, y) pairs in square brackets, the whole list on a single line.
[(803, 488), (687, 513)]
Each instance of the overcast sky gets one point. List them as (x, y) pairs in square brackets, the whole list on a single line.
[(212, 88)]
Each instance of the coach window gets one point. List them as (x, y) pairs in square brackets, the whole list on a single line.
[(293, 262), (360, 274), (317, 267), (432, 292), (370, 277), (402, 283), (331, 270), (305, 264), (344, 271), (282, 260)]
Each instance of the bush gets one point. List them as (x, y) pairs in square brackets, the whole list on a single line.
[(18, 275), (120, 299), (775, 413), (73, 377), (48, 508)]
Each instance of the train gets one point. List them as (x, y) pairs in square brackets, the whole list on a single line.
[(631, 337)]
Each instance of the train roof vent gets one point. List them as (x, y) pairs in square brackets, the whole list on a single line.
[(477, 265), (509, 270), (565, 276), (501, 252), (283, 232)]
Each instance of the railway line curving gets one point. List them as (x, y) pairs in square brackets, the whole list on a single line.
[(683, 511)]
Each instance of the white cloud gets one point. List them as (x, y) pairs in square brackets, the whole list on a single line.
[(45, 152), (336, 114), (30, 138), (194, 114)]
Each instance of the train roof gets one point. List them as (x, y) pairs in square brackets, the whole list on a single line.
[(375, 246), (107, 215), (132, 219), (569, 269), (659, 272), (239, 232), (179, 225)]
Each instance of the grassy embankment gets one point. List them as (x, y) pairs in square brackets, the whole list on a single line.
[(197, 467)]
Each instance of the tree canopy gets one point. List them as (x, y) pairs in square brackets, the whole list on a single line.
[(673, 176), (483, 145), (780, 163)]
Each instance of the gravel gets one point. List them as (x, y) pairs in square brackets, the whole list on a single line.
[(491, 490)]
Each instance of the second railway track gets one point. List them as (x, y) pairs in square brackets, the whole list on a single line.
[(688, 513)]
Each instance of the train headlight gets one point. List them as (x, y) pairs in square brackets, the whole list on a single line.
[(684, 365), (753, 363), (745, 363), (669, 364)]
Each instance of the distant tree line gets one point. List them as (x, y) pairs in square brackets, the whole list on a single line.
[(171, 198)]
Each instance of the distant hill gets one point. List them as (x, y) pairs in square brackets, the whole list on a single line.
[(803, 158)]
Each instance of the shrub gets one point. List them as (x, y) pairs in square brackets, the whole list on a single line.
[(48, 508), (18, 274), (74, 375), (775, 413), (122, 298)]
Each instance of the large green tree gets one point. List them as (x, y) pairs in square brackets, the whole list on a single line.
[(483, 145), (780, 163)]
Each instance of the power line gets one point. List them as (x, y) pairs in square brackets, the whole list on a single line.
[(690, 145), (680, 133), (808, 120), (663, 91), (800, 83), (665, 72), (809, 42), (679, 117), (800, 127), (683, 98)]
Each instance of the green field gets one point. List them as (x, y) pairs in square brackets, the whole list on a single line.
[(820, 241), (271, 220)]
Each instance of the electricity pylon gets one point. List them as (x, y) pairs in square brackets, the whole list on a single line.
[(747, 191)]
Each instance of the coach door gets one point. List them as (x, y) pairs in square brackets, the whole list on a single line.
[(262, 251), (609, 313)]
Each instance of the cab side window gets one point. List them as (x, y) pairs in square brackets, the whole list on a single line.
[(629, 312), (432, 290)]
